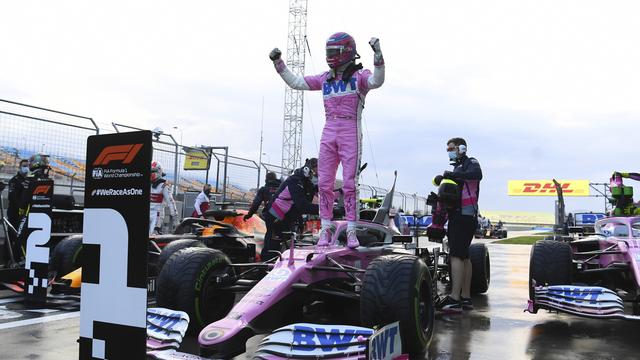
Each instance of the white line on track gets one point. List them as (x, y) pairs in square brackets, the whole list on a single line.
[(42, 311), (39, 320), (10, 300)]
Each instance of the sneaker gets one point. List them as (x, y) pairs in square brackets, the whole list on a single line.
[(325, 237), (449, 305), (466, 303), (352, 239)]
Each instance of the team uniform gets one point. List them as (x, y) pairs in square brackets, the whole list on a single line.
[(264, 195), (344, 89), (160, 196), (201, 205), (293, 199)]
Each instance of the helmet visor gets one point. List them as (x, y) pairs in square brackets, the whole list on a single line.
[(333, 51)]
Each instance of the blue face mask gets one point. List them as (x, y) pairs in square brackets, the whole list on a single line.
[(314, 180), (24, 170), (453, 155)]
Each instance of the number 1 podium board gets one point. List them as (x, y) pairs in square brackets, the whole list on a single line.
[(116, 232)]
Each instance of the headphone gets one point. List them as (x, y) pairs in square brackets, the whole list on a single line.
[(306, 169), (462, 149)]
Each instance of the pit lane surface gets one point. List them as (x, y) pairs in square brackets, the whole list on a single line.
[(497, 329)]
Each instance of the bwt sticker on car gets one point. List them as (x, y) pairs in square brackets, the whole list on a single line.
[(386, 344), (279, 274), (316, 341), (307, 338)]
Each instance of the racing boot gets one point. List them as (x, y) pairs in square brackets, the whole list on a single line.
[(325, 237), (352, 239)]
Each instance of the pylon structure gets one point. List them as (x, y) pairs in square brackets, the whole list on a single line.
[(293, 99)]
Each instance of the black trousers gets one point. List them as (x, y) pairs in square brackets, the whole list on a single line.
[(275, 228), (461, 230)]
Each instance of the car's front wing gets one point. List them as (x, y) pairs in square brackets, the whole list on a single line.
[(586, 301)]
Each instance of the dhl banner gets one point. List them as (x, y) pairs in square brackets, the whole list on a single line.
[(519, 217), (547, 188), (196, 159)]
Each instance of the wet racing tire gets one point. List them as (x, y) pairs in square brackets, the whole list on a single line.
[(550, 263), (480, 268), (173, 247), (66, 255), (399, 288), (187, 282)]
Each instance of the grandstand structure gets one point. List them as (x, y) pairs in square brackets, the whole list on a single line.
[(66, 170)]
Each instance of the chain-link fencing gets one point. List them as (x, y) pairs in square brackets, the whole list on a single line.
[(27, 130)]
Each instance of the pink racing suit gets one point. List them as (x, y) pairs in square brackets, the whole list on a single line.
[(341, 140)]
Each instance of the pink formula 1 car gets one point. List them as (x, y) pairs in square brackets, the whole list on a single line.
[(591, 277), (385, 280)]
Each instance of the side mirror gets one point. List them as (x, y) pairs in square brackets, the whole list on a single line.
[(402, 239)]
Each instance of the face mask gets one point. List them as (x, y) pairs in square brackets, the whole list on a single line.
[(207, 192), (314, 180), (453, 155), (24, 170)]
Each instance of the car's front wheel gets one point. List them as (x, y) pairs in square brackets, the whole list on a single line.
[(399, 288), (187, 282)]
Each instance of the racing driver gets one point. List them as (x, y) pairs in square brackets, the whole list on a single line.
[(344, 88)]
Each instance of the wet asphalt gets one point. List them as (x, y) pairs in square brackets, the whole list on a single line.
[(497, 328)]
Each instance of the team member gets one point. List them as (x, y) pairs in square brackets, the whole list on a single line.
[(202, 202), (292, 200), (463, 221), (160, 195), (344, 88), (39, 169), (18, 187), (265, 193)]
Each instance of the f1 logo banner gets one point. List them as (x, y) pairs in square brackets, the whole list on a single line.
[(36, 228), (116, 231)]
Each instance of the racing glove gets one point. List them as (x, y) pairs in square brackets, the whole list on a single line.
[(435, 234), (432, 199), (378, 60), (275, 54)]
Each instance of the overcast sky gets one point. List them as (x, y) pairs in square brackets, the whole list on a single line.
[(539, 89)]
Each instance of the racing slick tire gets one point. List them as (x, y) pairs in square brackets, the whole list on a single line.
[(398, 288), (187, 282), (173, 247), (480, 268), (550, 263), (66, 255)]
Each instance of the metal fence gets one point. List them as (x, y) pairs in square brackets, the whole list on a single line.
[(29, 129), (26, 130)]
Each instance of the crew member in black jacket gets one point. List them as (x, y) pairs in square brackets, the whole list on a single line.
[(293, 199), (265, 194)]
